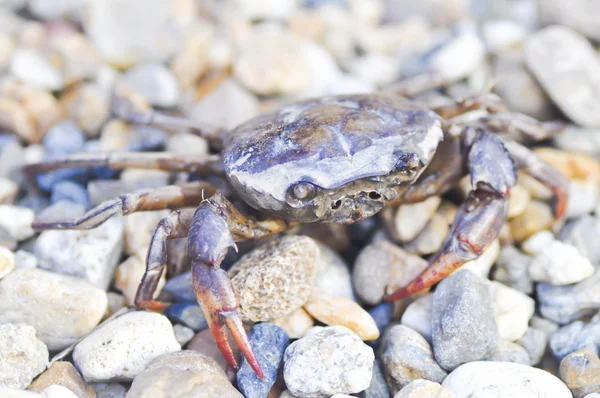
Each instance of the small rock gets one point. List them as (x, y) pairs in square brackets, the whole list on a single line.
[(335, 358), (410, 219), (581, 233), (578, 16), (407, 356), (538, 242), (109, 390), (575, 336), (182, 373), (7, 262), (425, 388), (63, 138), (70, 191), (563, 304), (503, 35), (22, 355), (56, 391), (383, 267), (119, 136), (573, 165), (60, 307), (512, 269), (578, 139), (17, 221), (116, 301), (192, 60), (513, 311), (128, 277), (377, 69), (382, 315), (536, 217), (8, 191), (91, 254), (464, 328), (534, 341), (579, 76), (295, 324), (378, 387), (121, 349), (481, 265), (180, 287), (154, 82), (268, 342), (188, 313), (25, 260), (34, 68), (431, 238), (583, 196), (339, 311), (334, 275), (459, 57), (580, 370), (275, 279), (89, 107), (560, 264), (183, 334), (187, 143), (477, 379), (508, 351), (63, 374), (417, 316), (204, 343)]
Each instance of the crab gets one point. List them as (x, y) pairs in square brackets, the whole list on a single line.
[(335, 159)]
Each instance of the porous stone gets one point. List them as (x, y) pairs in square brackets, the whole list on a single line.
[(22, 355), (275, 279), (417, 316), (183, 373), (424, 388), (580, 370), (464, 327), (575, 336), (477, 379), (61, 308), (513, 311), (406, 356), (92, 254), (295, 324), (335, 358), (17, 221), (121, 349), (64, 374), (340, 311)]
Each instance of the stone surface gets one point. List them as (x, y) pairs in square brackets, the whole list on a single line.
[(579, 15), (536, 217), (406, 356), (275, 279), (410, 219), (124, 347), (91, 255), (154, 82), (417, 316), (183, 373), (567, 66), (481, 266), (538, 242), (183, 334), (334, 275), (583, 196), (109, 390), (505, 379), (513, 311), (189, 314), (295, 324), (425, 388), (580, 233), (512, 269), (64, 374), (464, 328), (580, 370), (128, 277), (340, 311), (33, 67), (508, 351), (60, 307), (139, 228), (534, 341), (17, 221), (378, 387), (56, 391), (560, 264), (327, 361), (575, 336), (204, 343), (22, 355), (7, 262)]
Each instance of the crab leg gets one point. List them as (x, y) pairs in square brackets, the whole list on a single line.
[(214, 227), (480, 217), (172, 196)]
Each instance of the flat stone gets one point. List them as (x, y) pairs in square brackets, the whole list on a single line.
[(567, 66), (327, 361), (121, 349), (61, 308), (477, 379), (22, 355), (560, 264), (64, 374), (580, 370), (183, 373)]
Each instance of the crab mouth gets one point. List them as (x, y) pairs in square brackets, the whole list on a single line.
[(351, 208)]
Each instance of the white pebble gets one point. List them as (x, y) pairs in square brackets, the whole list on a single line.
[(155, 83), (583, 196), (22, 355), (32, 67), (17, 221), (538, 242), (411, 218), (58, 391), (417, 316), (560, 264), (7, 262), (513, 311)]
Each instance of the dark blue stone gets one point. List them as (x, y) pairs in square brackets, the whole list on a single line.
[(180, 287), (63, 138), (71, 191), (382, 314), (268, 342), (100, 172), (189, 314), (47, 180)]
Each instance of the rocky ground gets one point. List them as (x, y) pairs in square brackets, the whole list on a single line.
[(520, 321)]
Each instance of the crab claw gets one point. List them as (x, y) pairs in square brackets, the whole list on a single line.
[(217, 300)]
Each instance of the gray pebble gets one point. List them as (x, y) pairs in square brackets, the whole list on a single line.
[(534, 341), (463, 323), (575, 336), (154, 82), (512, 269), (378, 387), (577, 14), (582, 234), (109, 390), (507, 351), (580, 370), (22, 355)]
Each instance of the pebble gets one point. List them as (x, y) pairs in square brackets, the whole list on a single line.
[(334, 275), (376, 69), (89, 107), (187, 143), (537, 217), (119, 136), (378, 387), (410, 219), (563, 304), (578, 139), (577, 15), (22, 355), (583, 196), (505, 379), (459, 57), (463, 327), (382, 315), (183, 334), (63, 138), (327, 361), (424, 388), (192, 60), (560, 264), (295, 324), (567, 67), (538, 242), (7, 262), (183, 373), (535, 342), (60, 307), (18, 393), (406, 356), (512, 269), (340, 311), (154, 82), (32, 67), (513, 311), (573, 165), (189, 314), (481, 265), (581, 233), (8, 191), (508, 351), (122, 348), (70, 191), (580, 371), (268, 342), (90, 254), (128, 276), (502, 35), (109, 390), (417, 316), (431, 238), (275, 279), (383, 267), (180, 287), (17, 221), (204, 343), (25, 260), (64, 374), (575, 336)]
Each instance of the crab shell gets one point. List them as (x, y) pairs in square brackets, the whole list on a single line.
[(354, 149)]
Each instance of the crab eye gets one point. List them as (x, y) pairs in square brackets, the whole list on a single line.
[(303, 191)]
